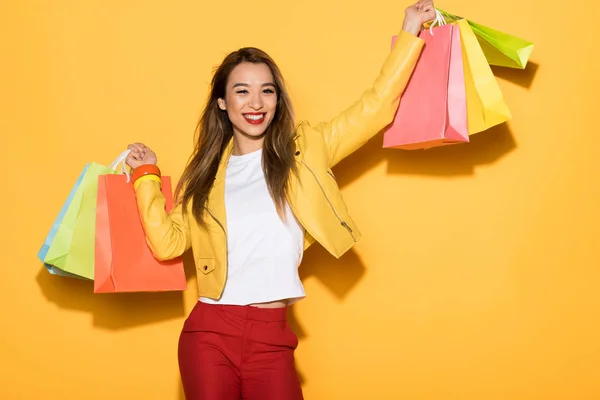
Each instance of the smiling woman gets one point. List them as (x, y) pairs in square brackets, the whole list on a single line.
[(256, 192), (248, 102)]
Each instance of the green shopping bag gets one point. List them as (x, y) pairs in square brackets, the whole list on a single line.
[(72, 248), (500, 48), (57, 222)]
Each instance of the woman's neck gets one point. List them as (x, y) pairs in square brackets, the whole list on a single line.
[(245, 145)]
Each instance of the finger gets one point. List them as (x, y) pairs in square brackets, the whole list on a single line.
[(143, 148), (131, 161), (136, 154), (136, 149), (426, 5)]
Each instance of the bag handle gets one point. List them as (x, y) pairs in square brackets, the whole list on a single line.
[(121, 160), (449, 16), (439, 21)]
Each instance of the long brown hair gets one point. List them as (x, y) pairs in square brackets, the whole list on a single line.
[(214, 131)]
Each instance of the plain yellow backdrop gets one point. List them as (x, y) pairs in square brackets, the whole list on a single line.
[(478, 272)]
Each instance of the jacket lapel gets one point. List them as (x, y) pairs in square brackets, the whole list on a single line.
[(216, 197)]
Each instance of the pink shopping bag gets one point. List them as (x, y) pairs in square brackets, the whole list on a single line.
[(433, 107)]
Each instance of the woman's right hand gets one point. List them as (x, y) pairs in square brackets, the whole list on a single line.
[(140, 154)]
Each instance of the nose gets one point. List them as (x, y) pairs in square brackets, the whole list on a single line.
[(256, 102)]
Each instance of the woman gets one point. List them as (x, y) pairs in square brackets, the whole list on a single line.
[(257, 191)]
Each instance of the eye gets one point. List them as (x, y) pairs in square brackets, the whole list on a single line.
[(269, 91), (241, 91)]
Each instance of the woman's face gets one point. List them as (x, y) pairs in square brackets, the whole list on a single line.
[(250, 99)]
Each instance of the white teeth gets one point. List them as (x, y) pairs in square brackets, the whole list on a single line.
[(254, 117)]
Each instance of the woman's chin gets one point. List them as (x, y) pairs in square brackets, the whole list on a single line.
[(253, 132)]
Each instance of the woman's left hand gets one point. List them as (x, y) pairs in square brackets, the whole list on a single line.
[(418, 14)]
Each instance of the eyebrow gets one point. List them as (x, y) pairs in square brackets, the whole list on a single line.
[(246, 85)]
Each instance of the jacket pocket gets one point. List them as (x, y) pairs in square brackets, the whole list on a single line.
[(205, 265)]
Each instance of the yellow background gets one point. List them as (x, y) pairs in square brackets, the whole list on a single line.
[(477, 276)]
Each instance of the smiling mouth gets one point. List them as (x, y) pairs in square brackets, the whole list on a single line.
[(255, 119)]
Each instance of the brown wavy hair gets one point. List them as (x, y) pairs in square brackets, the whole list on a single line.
[(214, 131)]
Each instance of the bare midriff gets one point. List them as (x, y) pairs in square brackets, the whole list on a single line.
[(271, 304)]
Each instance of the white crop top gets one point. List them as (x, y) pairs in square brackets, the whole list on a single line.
[(263, 252)]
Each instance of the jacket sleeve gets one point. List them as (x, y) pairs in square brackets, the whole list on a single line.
[(377, 106), (167, 234)]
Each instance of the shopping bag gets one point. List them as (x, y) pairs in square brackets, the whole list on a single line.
[(72, 249), (57, 222), (432, 110), (499, 48), (502, 49), (123, 260), (485, 103)]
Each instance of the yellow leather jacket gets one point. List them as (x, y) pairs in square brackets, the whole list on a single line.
[(317, 203)]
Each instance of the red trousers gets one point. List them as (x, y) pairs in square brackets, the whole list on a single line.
[(238, 352)]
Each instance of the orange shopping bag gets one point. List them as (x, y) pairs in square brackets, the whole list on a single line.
[(123, 260), (433, 107)]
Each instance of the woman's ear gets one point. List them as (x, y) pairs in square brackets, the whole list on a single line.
[(222, 105)]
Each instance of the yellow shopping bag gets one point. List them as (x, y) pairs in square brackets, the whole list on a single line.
[(485, 103)]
